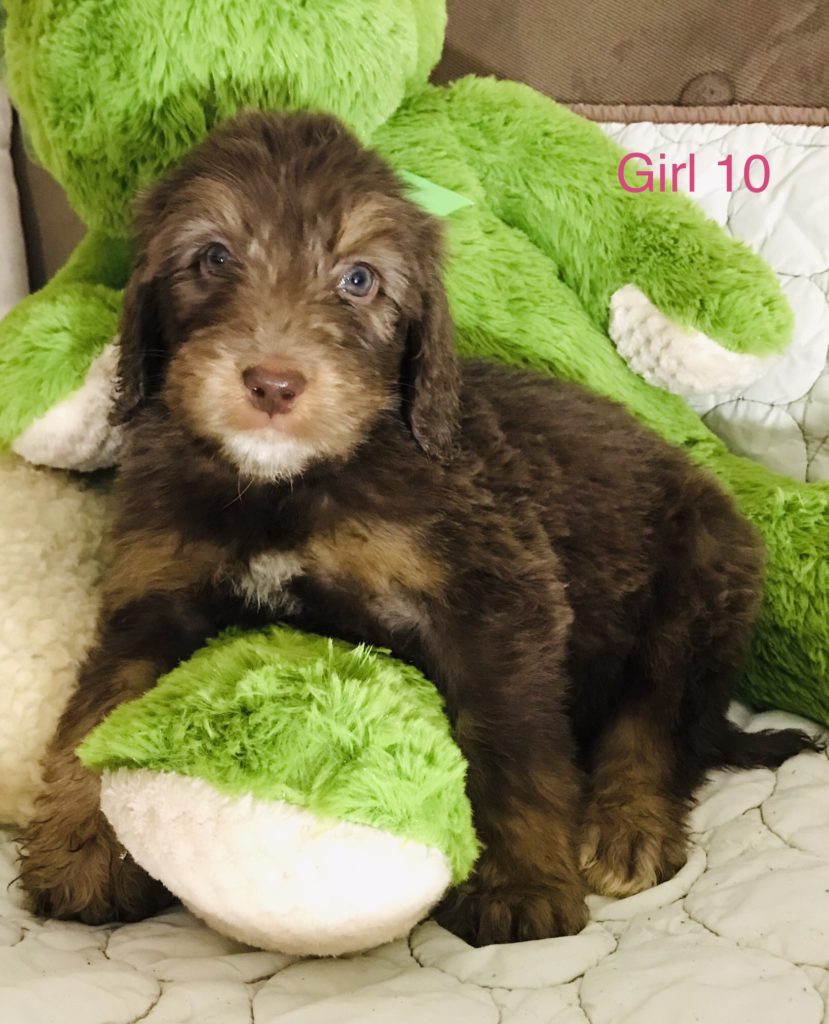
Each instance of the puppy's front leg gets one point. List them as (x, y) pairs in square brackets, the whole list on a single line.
[(71, 863), (526, 791)]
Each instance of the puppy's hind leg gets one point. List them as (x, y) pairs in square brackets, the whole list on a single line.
[(671, 725), (634, 832)]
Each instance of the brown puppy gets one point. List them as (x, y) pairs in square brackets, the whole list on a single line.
[(305, 446)]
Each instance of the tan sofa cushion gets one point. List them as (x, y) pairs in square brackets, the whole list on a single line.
[(638, 51), (52, 230)]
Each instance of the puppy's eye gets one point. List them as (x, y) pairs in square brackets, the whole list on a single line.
[(359, 282), (215, 257)]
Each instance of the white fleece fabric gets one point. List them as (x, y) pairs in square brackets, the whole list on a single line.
[(50, 539), (51, 530)]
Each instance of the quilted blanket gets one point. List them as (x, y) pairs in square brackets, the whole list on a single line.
[(741, 934)]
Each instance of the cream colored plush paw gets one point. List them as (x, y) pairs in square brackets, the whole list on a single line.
[(678, 359), (76, 433)]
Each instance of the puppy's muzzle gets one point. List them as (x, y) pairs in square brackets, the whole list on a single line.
[(273, 389)]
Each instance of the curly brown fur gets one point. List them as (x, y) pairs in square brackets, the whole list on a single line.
[(581, 593)]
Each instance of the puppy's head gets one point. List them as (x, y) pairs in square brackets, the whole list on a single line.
[(286, 295)]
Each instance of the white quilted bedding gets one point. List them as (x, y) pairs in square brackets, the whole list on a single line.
[(740, 935)]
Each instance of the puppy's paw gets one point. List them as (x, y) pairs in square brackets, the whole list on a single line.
[(483, 916), (86, 875), (624, 851)]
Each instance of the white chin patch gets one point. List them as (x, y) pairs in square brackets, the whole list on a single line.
[(267, 455)]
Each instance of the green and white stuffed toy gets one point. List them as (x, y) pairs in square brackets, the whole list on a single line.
[(295, 792), (552, 265)]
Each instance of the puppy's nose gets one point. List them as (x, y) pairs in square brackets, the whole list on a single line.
[(273, 389)]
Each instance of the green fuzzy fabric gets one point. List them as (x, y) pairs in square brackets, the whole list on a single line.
[(348, 733), (59, 330), (114, 91)]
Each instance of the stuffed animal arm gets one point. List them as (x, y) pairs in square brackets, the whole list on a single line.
[(65, 333), (689, 308), (297, 793)]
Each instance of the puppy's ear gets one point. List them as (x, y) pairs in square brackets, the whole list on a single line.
[(141, 346), (431, 376)]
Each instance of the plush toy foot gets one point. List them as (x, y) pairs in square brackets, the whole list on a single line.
[(57, 373), (678, 359), (300, 883), (296, 793), (624, 852), (485, 916), (76, 433)]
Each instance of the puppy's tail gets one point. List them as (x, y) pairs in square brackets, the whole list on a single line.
[(768, 748)]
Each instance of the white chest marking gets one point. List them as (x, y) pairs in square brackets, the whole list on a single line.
[(267, 576)]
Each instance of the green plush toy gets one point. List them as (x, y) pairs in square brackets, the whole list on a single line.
[(296, 793), (552, 264)]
